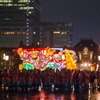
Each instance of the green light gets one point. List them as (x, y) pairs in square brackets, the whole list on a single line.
[(28, 66)]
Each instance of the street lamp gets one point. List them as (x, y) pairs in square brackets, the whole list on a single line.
[(98, 67), (6, 58)]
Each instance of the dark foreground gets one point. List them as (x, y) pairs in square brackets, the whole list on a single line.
[(86, 94)]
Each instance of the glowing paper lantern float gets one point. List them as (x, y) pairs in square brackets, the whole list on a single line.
[(92, 67), (70, 63), (28, 66), (20, 66), (42, 58)]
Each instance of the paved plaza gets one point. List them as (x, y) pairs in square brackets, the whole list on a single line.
[(86, 94)]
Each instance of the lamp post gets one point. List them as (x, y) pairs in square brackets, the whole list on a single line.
[(5, 58), (98, 67)]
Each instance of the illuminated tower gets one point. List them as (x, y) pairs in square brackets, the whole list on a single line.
[(16, 21)]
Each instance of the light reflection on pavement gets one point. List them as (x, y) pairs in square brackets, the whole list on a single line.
[(91, 94)]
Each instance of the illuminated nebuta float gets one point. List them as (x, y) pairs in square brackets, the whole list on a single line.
[(42, 58)]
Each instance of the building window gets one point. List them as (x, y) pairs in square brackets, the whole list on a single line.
[(12, 57), (94, 57), (1, 0), (69, 24), (40, 36), (64, 32), (38, 43), (70, 41), (40, 32), (85, 59), (59, 40), (85, 50), (34, 32), (5, 0), (91, 44), (56, 32), (41, 28), (23, 0), (57, 28), (7, 33), (94, 62), (64, 39), (12, 63), (80, 44), (68, 45)]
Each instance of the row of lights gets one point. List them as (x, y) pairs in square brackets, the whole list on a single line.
[(27, 23), (85, 64), (5, 57)]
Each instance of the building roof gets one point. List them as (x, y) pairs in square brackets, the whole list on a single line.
[(86, 42)]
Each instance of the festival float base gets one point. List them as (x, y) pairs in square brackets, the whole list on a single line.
[(42, 58)]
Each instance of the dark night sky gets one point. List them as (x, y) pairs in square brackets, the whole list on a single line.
[(85, 15)]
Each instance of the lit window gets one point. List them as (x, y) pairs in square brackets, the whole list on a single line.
[(12, 63), (27, 33), (30, 12), (34, 32), (23, 0), (38, 43), (1, 4), (14, 4), (91, 44), (64, 32), (56, 32), (1, 0), (23, 32), (94, 56), (20, 8), (94, 62), (27, 44), (10, 0), (26, 8), (69, 24), (9, 4), (5, 0), (40, 36), (20, 4), (20, 0)]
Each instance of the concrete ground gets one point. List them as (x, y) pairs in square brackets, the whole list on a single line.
[(86, 94)]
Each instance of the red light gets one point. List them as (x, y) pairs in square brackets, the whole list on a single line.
[(30, 49)]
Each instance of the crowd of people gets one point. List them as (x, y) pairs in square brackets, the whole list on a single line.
[(63, 79)]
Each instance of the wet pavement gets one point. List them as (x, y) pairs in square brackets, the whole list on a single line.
[(87, 94)]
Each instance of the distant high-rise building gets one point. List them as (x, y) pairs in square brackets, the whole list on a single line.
[(53, 34), (16, 21), (20, 20)]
